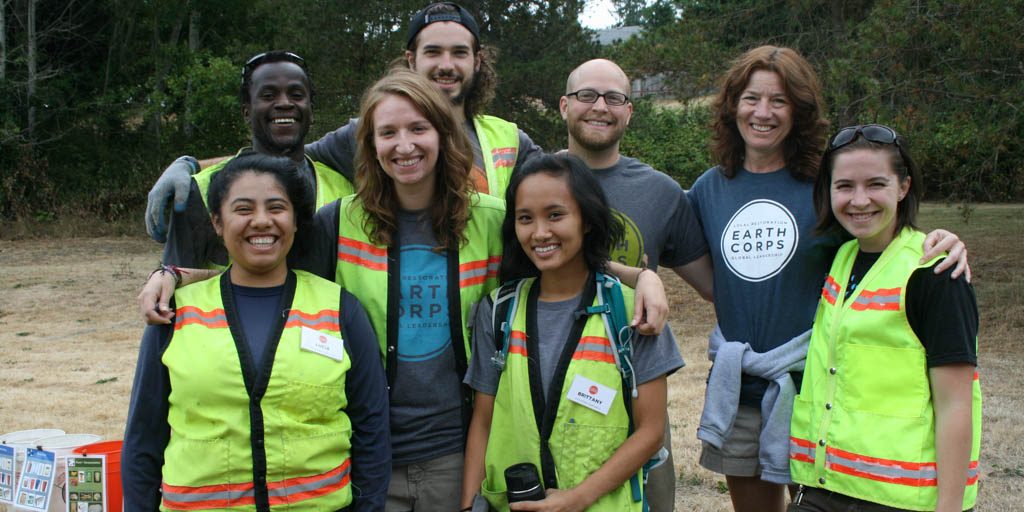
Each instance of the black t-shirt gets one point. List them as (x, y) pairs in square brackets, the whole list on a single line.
[(942, 311)]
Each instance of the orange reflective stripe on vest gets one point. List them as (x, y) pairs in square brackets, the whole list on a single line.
[(830, 291), (914, 474), (517, 343), (323, 319), (477, 272), (362, 254), (292, 490), (801, 450), (503, 157), (882, 299), (188, 315), (594, 348)]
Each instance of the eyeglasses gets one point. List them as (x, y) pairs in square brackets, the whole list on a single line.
[(257, 60), (614, 99), (877, 133)]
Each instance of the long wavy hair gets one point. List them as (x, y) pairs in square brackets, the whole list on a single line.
[(805, 143), (449, 210)]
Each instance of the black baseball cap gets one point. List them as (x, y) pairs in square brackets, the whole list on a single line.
[(422, 19)]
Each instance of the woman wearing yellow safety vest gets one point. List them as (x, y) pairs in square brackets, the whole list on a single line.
[(889, 413), (556, 392), (266, 392)]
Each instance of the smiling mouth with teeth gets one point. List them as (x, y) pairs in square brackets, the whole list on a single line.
[(287, 120), (545, 249), (761, 127), (262, 240)]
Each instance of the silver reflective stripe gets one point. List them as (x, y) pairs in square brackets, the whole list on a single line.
[(191, 497), (883, 470), (795, 448), (594, 347), (474, 272), (310, 486), (362, 254), (878, 299), (310, 322), (188, 315)]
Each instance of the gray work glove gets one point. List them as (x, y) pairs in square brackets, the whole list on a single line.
[(174, 182)]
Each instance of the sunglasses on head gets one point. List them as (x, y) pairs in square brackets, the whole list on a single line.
[(259, 59), (877, 133)]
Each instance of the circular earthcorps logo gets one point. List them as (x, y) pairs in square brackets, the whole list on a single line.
[(759, 240), (593, 390), (322, 339)]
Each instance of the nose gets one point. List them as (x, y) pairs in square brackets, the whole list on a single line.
[(762, 109), (860, 197), (283, 101), (446, 61), (261, 217), (404, 143), (541, 230)]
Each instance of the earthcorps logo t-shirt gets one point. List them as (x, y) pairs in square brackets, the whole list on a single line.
[(759, 240)]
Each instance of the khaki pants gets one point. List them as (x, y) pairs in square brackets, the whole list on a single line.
[(429, 486)]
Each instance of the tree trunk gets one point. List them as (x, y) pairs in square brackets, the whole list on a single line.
[(193, 49), (31, 82), (3, 41)]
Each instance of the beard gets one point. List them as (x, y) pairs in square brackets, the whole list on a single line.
[(578, 130)]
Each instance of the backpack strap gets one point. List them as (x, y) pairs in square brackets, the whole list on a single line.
[(612, 307), (503, 310)]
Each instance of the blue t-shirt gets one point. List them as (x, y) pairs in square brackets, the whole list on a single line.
[(769, 265)]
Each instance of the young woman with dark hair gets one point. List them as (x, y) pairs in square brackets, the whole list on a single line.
[(889, 414), (558, 399), (266, 393)]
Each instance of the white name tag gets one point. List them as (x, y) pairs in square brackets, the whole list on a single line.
[(591, 395), (323, 344)]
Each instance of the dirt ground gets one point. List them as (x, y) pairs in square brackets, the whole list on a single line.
[(69, 335)]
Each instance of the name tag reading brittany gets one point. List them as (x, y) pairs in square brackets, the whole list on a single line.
[(323, 344), (591, 395)]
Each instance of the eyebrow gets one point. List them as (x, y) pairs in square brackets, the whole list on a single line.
[(458, 46)]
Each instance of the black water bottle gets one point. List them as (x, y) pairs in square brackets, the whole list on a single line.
[(522, 483)]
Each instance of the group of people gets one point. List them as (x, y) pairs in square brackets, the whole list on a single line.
[(423, 311)]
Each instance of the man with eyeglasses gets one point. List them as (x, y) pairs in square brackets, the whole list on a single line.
[(443, 44), (276, 96), (660, 226)]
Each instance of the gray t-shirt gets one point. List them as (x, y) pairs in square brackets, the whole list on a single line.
[(426, 410), (338, 150), (659, 222), (652, 356)]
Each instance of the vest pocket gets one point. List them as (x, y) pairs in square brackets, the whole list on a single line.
[(305, 403), (181, 454), (496, 498), (584, 448), (886, 381)]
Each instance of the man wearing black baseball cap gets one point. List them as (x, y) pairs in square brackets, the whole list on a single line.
[(443, 44)]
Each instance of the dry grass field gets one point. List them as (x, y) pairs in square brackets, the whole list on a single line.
[(69, 336)]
